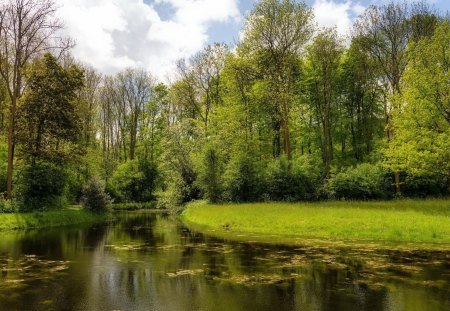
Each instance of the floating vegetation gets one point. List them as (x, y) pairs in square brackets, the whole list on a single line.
[(17, 272), (257, 278), (185, 272)]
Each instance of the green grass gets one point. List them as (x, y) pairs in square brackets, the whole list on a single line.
[(48, 219), (415, 221)]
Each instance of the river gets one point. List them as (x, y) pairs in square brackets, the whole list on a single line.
[(148, 261)]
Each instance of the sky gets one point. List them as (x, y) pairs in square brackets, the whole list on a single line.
[(112, 35)]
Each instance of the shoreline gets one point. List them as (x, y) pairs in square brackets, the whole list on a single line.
[(48, 219)]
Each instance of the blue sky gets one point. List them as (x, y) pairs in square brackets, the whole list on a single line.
[(228, 32), (112, 35)]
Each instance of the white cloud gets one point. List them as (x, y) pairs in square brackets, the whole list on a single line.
[(114, 34), (329, 13)]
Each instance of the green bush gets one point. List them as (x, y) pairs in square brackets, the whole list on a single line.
[(94, 197), (421, 186), (8, 206), (210, 176), (363, 182), (41, 186), (133, 181), (291, 181), (242, 180)]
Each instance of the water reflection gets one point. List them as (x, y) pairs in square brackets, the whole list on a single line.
[(150, 262)]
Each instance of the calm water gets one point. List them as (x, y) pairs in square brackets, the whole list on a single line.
[(150, 262)]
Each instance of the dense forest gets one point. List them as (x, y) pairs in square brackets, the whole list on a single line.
[(291, 112)]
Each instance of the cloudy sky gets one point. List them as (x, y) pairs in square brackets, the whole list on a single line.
[(115, 34)]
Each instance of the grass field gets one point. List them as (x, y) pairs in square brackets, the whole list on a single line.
[(48, 219), (424, 221)]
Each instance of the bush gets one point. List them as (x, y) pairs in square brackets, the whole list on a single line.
[(363, 182), (294, 181), (242, 180), (94, 197), (210, 176), (421, 186), (133, 181), (7, 206), (41, 186)]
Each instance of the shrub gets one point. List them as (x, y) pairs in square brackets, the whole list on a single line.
[(41, 186), (210, 176), (293, 181), (363, 182), (242, 179), (133, 181), (7, 206), (94, 197), (424, 185)]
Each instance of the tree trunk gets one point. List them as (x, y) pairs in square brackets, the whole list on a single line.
[(11, 145), (397, 183)]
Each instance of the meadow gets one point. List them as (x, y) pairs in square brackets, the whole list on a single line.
[(423, 221)]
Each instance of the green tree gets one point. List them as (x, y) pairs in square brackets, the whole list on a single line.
[(324, 57), (27, 29), (275, 33), (422, 141), (48, 126)]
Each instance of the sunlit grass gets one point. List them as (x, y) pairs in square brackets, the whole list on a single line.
[(55, 218), (401, 220)]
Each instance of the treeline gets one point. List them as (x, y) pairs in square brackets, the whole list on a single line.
[(293, 112)]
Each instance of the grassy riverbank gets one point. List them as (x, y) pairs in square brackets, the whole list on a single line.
[(421, 221), (57, 218)]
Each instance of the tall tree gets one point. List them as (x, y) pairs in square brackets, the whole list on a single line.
[(48, 124), (275, 33), (422, 141), (27, 29), (324, 56)]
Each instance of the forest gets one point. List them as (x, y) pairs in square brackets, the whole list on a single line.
[(292, 112)]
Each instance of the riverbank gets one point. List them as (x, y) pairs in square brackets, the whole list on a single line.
[(399, 221), (57, 218)]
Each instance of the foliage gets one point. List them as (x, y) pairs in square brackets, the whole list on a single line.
[(48, 125), (94, 197), (210, 175), (133, 181), (292, 113), (41, 186), (242, 179), (290, 181), (363, 182), (425, 185), (8, 206), (421, 145)]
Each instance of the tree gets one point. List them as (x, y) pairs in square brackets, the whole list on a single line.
[(385, 32), (27, 29), (422, 141), (48, 125), (362, 107), (275, 33), (324, 56), (199, 88)]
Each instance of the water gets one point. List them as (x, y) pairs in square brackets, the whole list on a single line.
[(151, 262)]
